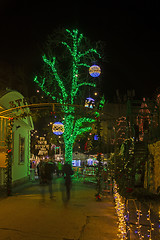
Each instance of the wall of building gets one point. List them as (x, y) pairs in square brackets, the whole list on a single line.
[(152, 175), (3, 129), (21, 139), (20, 169)]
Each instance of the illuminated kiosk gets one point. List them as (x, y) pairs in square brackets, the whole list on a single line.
[(78, 159), (20, 139)]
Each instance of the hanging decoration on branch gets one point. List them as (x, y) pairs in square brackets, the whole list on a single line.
[(58, 128), (94, 71), (90, 102)]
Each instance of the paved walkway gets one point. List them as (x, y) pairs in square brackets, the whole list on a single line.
[(25, 216)]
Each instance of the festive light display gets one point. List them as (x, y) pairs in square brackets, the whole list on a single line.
[(149, 235), (99, 170), (90, 102), (94, 71), (58, 128), (8, 160), (120, 209), (139, 214), (139, 225), (95, 137), (121, 127), (101, 103), (67, 93), (143, 119)]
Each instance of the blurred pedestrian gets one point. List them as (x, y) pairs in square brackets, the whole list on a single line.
[(68, 172), (136, 133), (49, 170), (46, 170), (38, 169), (41, 172)]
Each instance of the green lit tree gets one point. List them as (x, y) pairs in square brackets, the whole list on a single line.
[(63, 81)]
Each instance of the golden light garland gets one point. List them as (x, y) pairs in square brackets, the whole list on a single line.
[(139, 225), (123, 217), (120, 209), (151, 225)]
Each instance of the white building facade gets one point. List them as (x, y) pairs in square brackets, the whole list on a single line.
[(20, 139)]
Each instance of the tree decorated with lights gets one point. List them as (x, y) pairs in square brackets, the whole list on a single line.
[(66, 88)]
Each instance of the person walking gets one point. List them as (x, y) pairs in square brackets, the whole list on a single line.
[(46, 170), (68, 172), (49, 170)]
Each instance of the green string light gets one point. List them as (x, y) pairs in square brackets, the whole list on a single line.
[(72, 127)]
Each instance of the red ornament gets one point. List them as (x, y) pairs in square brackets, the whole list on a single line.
[(99, 154), (129, 190), (98, 197), (86, 146)]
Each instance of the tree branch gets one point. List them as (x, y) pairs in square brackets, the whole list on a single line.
[(67, 30), (87, 84), (80, 38), (85, 129), (59, 81), (79, 122), (44, 89), (92, 50), (83, 64), (83, 84), (68, 47)]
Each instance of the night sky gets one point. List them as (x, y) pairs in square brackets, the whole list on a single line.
[(131, 34)]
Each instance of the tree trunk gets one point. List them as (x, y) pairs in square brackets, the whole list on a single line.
[(68, 139), (68, 152)]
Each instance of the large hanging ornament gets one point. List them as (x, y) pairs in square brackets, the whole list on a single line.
[(58, 128), (94, 71)]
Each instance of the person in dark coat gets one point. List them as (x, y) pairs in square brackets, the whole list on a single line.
[(49, 170), (46, 171), (68, 172)]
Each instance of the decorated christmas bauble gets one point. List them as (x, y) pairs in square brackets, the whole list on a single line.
[(94, 71), (90, 102), (58, 128)]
